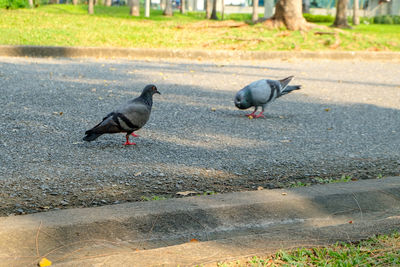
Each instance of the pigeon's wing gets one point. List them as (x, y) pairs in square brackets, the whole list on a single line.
[(133, 115), (260, 92), (107, 125)]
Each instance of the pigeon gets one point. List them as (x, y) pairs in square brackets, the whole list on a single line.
[(127, 118), (262, 92)]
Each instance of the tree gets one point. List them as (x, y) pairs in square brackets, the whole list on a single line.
[(30, 2), (182, 8), (134, 8), (356, 19), (222, 9), (208, 8), (91, 6), (341, 14), (168, 8), (305, 6), (106, 2), (268, 8), (254, 17), (74, 2), (147, 9), (214, 10), (288, 13)]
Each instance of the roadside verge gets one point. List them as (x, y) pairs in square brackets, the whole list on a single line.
[(142, 53), (197, 230)]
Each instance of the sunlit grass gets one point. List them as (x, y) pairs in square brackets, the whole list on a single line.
[(67, 25), (382, 250)]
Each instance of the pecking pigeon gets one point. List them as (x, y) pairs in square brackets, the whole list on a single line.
[(127, 118), (262, 92)]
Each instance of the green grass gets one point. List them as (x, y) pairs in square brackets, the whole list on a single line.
[(382, 250), (67, 25), (153, 198)]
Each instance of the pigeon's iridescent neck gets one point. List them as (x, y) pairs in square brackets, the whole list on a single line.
[(147, 98)]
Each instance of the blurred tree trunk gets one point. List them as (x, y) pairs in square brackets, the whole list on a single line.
[(214, 10), (30, 2), (223, 9), (208, 8), (341, 14), (134, 8), (147, 9), (74, 2), (306, 6), (91, 6), (183, 6), (168, 8), (288, 13), (268, 8), (254, 17), (356, 18), (106, 3), (162, 4)]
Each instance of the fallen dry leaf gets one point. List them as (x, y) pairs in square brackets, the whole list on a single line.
[(327, 109), (194, 240), (283, 34), (284, 193), (44, 262)]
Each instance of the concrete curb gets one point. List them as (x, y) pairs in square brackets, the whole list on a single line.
[(140, 53), (251, 222)]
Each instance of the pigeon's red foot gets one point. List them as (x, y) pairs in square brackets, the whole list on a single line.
[(127, 143), (134, 135), (260, 115), (251, 114)]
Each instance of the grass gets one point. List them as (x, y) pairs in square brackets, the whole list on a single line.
[(342, 179), (67, 25), (381, 250), (153, 198)]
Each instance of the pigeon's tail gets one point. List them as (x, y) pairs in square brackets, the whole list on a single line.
[(285, 82), (90, 136), (290, 88)]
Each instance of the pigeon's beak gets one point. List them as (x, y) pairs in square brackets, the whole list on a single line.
[(158, 92)]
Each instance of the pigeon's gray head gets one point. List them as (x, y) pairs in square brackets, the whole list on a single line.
[(242, 99), (151, 89)]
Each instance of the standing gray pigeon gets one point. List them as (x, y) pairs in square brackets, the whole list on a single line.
[(128, 118), (262, 92)]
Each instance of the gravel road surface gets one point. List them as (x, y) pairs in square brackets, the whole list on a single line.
[(345, 121)]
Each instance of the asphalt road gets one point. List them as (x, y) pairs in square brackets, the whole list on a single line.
[(345, 121)]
